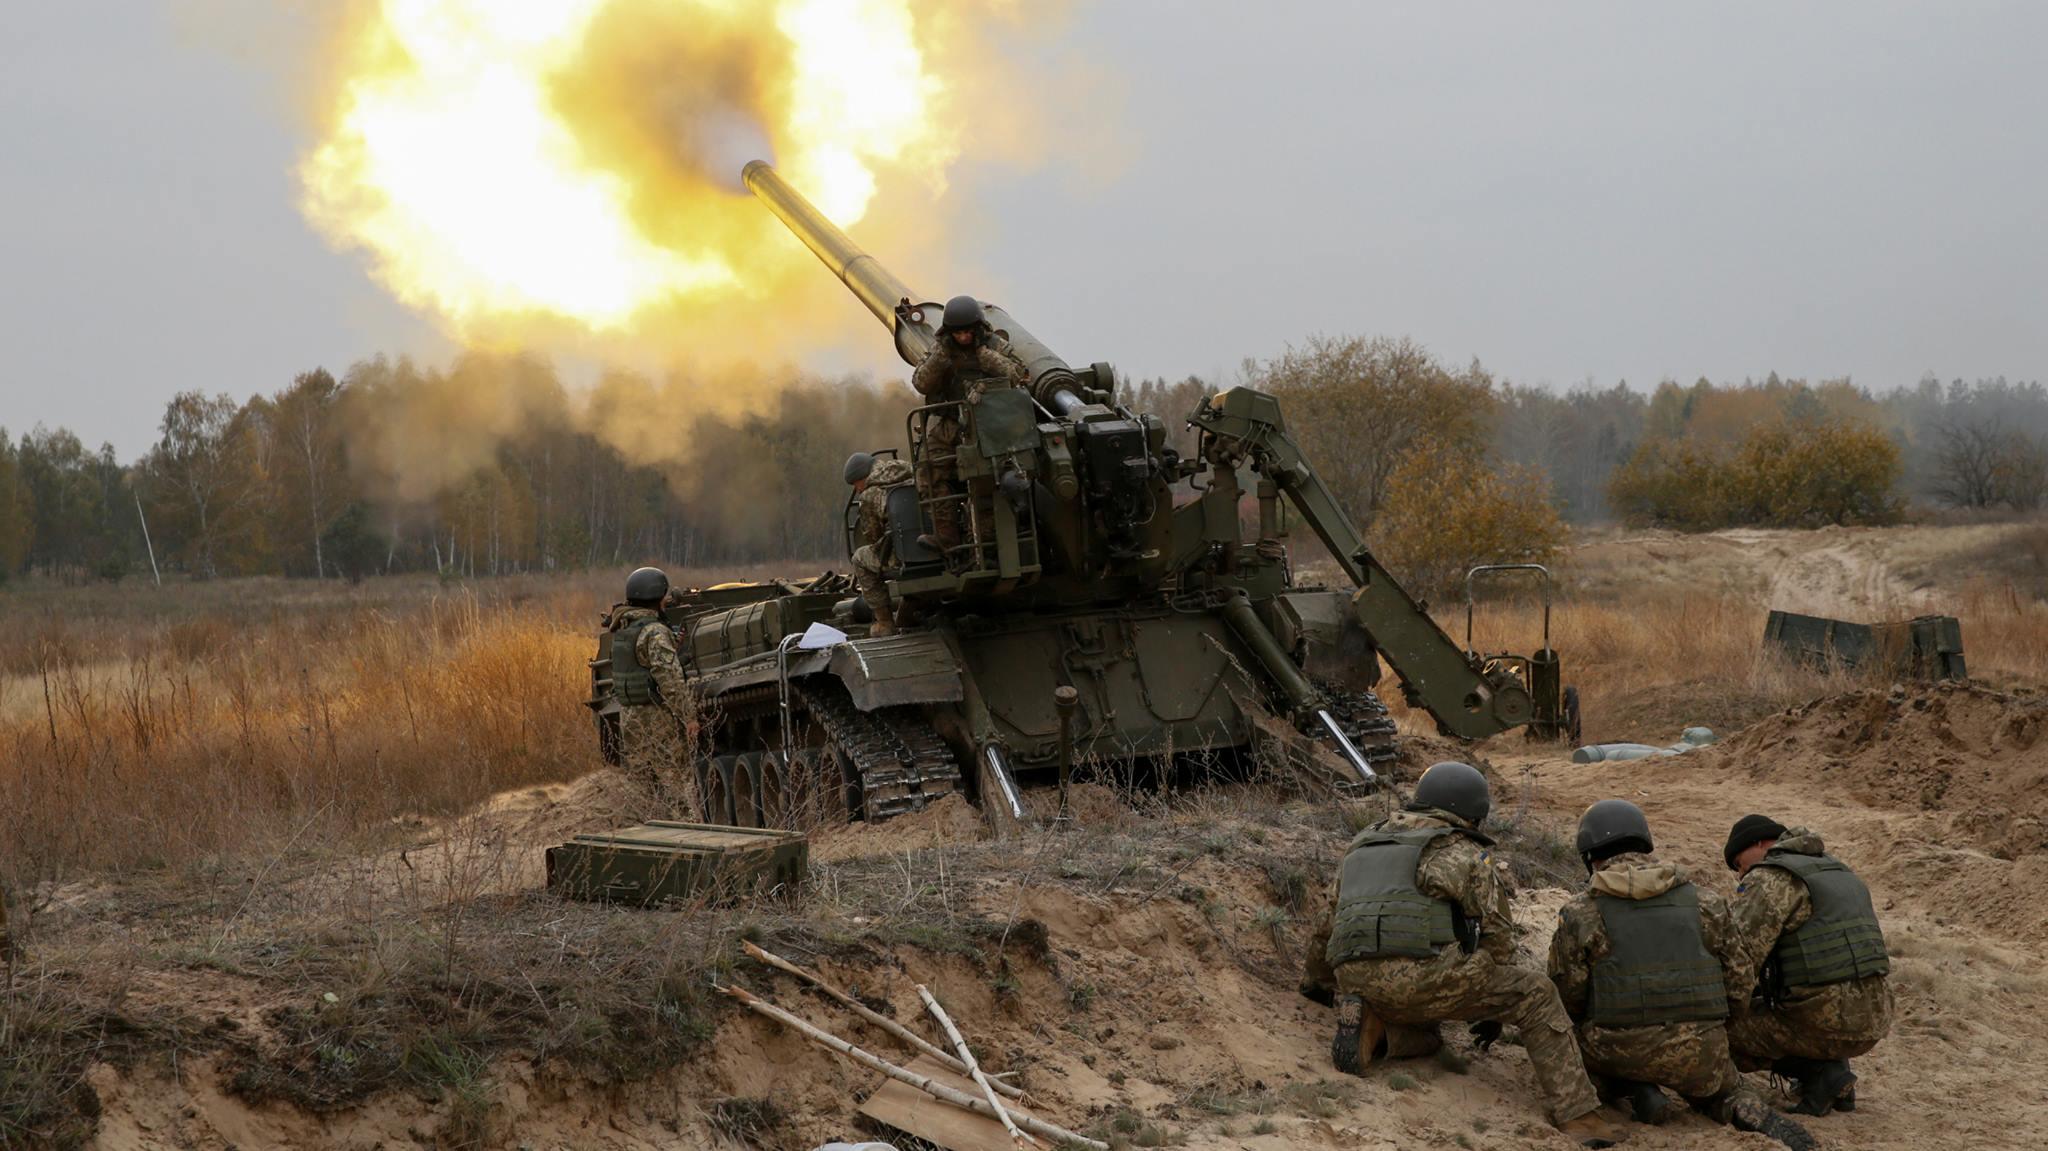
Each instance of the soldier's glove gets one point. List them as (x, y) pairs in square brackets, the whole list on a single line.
[(1486, 1033), (1317, 994), (1344, 1047), (975, 393)]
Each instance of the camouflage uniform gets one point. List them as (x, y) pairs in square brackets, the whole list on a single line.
[(877, 554), (652, 737), (1415, 994), (952, 374), (1691, 1058), (1835, 1021)]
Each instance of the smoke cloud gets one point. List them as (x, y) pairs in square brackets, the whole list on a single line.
[(562, 179)]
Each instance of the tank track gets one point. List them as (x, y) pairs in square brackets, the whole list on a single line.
[(1365, 723), (901, 762)]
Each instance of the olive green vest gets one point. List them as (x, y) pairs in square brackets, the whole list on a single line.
[(1841, 940), (1380, 911), (631, 681), (1657, 968)]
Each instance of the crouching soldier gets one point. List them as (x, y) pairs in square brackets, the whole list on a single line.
[(1421, 933), (872, 482), (1814, 952), (1640, 961)]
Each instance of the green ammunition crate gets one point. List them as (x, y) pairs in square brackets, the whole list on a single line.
[(660, 860)]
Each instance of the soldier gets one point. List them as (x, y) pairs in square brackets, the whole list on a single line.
[(872, 482), (1421, 932), (654, 699), (1639, 961), (1814, 953), (968, 358)]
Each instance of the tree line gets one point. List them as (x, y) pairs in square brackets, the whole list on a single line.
[(494, 465)]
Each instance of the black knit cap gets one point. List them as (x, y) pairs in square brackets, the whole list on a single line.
[(1749, 831)]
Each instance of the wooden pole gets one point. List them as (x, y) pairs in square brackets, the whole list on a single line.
[(924, 1083), (973, 1068), (913, 1039), (154, 574)]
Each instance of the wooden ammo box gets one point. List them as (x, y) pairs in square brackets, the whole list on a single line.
[(661, 859)]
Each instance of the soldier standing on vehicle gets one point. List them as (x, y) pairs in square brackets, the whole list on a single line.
[(872, 482), (968, 358), (654, 699), (1421, 932), (1814, 952), (1640, 962)]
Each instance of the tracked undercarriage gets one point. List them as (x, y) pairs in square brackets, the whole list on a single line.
[(841, 763)]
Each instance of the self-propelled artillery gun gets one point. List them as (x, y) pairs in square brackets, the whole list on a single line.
[(1107, 608)]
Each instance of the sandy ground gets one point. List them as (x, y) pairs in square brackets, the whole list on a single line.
[(1193, 1025), (1163, 1004), (1856, 572)]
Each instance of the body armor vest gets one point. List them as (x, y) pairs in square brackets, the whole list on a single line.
[(631, 681), (1657, 968), (1380, 911), (1841, 940)]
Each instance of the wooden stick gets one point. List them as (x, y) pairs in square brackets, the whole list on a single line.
[(926, 1084), (917, 1042), (973, 1068)]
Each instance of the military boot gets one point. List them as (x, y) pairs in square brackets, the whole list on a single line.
[(1648, 1103), (1359, 1035), (1822, 1088), (1592, 1131), (884, 622), (1749, 1113)]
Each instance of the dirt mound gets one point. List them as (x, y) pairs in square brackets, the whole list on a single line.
[(949, 821), (1967, 751)]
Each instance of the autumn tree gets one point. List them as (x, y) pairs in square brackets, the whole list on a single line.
[(309, 464), (16, 512), (1781, 475), (201, 476), (1448, 511), (1838, 473), (1357, 406)]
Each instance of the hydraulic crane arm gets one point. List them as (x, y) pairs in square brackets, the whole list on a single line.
[(1438, 674)]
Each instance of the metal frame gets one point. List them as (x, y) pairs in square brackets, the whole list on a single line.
[(1486, 569)]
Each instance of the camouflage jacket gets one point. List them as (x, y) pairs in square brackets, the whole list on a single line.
[(1769, 902), (874, 505), (656, 650), (937, 379), (1581, 936), (1454, 868)]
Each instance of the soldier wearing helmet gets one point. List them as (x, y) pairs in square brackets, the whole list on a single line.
[(968, 359), (1642, 960), (654, 699), (1421, 932), (1816, 956), (872, 482)]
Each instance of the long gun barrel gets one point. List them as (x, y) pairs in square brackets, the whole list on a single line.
[(890, 300), (875, 285)]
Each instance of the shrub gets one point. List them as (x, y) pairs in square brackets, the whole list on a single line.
[(1448, 511), (1781, 475)]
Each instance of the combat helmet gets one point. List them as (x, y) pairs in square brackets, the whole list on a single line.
[(647, 587), (962, 312), (858, 465), (1458, 788), (1610, 827)]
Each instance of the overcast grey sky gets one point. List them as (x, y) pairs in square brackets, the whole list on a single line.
[(1565, 191)]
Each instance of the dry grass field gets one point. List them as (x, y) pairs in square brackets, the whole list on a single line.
[(272, 858)]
